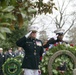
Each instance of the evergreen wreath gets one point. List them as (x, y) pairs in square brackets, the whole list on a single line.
[(12, 67), (57, 60)]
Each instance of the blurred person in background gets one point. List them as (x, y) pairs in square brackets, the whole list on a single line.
[(2, 60), (10, 53), (20, 52)]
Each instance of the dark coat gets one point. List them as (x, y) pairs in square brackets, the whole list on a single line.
[(8, 55), (2, 60), (20, 53), (33, 51)]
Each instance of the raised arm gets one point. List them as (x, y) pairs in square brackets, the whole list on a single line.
[(21, 42)]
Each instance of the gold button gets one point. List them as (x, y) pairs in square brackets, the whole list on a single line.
[(29, 44), (34, 46), (34, 52), (33, 40), (34, 43)]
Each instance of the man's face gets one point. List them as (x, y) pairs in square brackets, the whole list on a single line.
[(60, 37), (10, 51), (19, 48), (1, 51), (33, 34)]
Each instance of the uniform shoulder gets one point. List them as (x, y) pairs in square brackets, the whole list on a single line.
[(52, 39), (39, 40)]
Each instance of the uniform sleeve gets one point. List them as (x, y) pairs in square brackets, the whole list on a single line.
[(51, 41), (42, 50), (21, 42), (4, 58)]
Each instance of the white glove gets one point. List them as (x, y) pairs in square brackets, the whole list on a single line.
[(28, 34), (55, 37)]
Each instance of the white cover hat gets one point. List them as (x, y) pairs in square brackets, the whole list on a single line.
[(1, 48), (59, 31), (33, 28)]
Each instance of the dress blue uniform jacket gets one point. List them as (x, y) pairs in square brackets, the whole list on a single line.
[(2, 60), (33, 51)]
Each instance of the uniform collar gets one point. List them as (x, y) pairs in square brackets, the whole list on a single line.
[(32, 38)]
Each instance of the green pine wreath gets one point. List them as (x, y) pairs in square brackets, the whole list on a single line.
[(49, 56), (12, 67)]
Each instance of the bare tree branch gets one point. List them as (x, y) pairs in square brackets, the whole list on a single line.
[(62, 7), (71, 25), (66, 6), (64, 20), (58, 5)]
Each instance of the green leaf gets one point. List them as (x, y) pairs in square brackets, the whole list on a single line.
[(43, 69), (10, 16), (2, 36), (70, 65), (46, 58), (3, 3), (7, 24), (0, 8), (55, 8), (13, 2), (4, 29), (31, 10), (55, 72), (8, 9)]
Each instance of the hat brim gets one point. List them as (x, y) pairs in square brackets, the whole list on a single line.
[(1, 49), (34, 31), (59, 34)]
